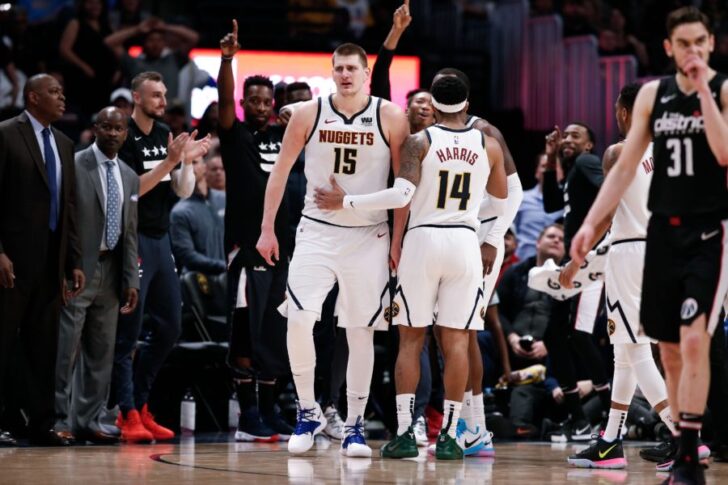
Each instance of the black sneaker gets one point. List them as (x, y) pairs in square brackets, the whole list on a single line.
[(659, 453), (686, 475), (276, 422), (601, 454), (572, 431)]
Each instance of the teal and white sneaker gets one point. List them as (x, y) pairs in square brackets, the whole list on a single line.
[(474, 442)]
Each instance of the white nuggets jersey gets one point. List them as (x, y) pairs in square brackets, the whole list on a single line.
[(630, 219), (355, 151), (453, 177)]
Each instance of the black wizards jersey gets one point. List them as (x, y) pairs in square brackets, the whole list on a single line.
[(688, 179), (142, 152)]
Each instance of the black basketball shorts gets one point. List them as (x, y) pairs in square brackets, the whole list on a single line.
[(685, 274)]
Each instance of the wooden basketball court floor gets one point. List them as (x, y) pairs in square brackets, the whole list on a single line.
[(191, 461)]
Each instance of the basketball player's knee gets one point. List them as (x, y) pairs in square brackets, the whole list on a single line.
[(633, 354), (621, 357), (301, 349), (694, 343)]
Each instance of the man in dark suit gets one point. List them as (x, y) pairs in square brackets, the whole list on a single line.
[(107, 192), (39, 249)]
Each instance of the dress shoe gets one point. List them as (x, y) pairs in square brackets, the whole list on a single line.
[(51, 438), (96, 437), (7, 439)]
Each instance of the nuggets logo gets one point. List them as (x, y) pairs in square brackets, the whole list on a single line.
[(611, 327), (482, 313), (391, 311), (689, 309)]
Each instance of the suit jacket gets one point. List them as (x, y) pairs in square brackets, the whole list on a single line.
[(91, 217), (25, 202)]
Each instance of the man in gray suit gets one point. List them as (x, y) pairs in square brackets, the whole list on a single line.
[(107, 195)]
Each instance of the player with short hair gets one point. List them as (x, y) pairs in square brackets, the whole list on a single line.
[(350, 137), (686, 272)]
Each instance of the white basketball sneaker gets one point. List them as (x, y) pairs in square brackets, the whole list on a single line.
[(309, 423), (334, 424), (420, 429), (354, 445)]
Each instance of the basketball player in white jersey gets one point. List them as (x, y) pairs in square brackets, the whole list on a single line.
[(349, 136), (633, 361), (492, 229), (445, 171)]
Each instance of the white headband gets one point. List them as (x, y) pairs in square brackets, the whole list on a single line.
[(448, 108)]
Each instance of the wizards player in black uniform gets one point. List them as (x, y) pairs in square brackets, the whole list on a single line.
[(686, 269), (258, 331)]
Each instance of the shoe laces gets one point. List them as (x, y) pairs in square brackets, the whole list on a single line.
[(333, 419), (355, 432)]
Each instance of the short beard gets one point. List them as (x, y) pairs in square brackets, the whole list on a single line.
[(152, 115)]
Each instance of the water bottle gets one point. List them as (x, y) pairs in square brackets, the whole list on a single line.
[(233, 411), (187, 413)]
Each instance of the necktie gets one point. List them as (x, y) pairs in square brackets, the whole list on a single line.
[(50, 161), (113, 208)]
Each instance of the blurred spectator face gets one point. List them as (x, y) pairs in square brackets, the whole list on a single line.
[(540, 167), (124, 105), (131, 6), (349, 74), (151, 98), (200, 170), (175, 119), (689, 40), (617, 22), (46, 99), (575, 142), (607, 40), (154, 44), (419, 110), (298, 95), (511, 243), (215, 173), (551, 244), (258, 105), (92, 9), (110, 130)]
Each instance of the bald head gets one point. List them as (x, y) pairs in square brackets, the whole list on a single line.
[(110, 129), (44, 98)]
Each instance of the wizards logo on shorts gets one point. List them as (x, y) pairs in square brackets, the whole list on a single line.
[(689, 309), (391, 312)]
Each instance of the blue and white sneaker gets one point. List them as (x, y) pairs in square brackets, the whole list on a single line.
[(354, 445), (309, 423), (471, 441)]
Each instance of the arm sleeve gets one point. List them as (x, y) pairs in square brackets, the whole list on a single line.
[(183, 181), (184, 250), (553, 195), (515, 196), (394, 197), (380, 85)]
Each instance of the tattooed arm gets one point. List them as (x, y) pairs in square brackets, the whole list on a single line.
[(412, 152)]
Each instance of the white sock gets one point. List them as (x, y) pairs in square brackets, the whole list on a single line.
[(467, 410), (478, 411), (614, 425), (358, 372), (451, 416), (667, 419), (405, 409), (302, 355)]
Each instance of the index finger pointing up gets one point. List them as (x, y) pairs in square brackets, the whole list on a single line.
[(235, 29)]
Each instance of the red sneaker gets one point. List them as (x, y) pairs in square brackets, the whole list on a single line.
[(159, 432), (132, 429), (434, 421)]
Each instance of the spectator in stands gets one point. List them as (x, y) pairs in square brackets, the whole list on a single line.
[(525, 312), (524, 315), (510, 243), (156, 54), (542, 7), (91, 70), (279, 98), (128, 13), (719, 58), (121, 98), (580, 17), (360, 17), (174, 117), (531, 217), (197, 226), (209, 121), (106, 208), (31, 45), (616, 40), (215, 171)]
